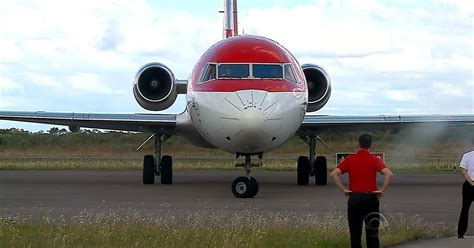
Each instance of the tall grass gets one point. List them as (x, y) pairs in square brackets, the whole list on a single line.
[(210, 163), (116, 150), (413, 143), (201, 229)]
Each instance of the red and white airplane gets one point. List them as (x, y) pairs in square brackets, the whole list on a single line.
[(247, 95)]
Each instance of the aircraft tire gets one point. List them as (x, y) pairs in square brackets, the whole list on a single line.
[(149, 169), (303, 169), (321, 171), (243, 187), (166, 171), (254, 191)]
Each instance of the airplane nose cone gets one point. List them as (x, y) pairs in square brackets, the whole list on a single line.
[(252, 121)]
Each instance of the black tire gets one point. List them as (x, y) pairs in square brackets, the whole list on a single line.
[(303, 169), (254, 187), (149, 169), (321, 171), (166, 170), (243, 187)]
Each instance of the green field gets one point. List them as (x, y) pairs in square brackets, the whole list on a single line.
[(216, 229), (408, 150)]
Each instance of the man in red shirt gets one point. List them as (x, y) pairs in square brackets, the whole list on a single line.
[(363, 203)]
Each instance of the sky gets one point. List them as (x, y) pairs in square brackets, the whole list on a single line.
[(383, 57)]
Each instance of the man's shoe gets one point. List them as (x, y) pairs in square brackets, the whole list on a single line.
[(460, 237)]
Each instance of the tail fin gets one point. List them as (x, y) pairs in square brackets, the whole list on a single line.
[(231, 27)]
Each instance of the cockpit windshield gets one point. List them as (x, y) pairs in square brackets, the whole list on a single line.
[(267, 71), (233, 71), (247, 71)]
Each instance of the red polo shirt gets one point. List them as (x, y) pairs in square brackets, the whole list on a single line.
[(362, 168)]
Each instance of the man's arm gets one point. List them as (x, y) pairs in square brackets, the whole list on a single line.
[(466, 176), (335, 174), (388, 174)]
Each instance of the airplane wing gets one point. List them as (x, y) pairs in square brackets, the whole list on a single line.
[(156, 123), (314, 124)]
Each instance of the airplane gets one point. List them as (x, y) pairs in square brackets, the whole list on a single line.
[(246, 95)]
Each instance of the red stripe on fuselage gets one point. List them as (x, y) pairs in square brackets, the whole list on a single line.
[(231, 85)]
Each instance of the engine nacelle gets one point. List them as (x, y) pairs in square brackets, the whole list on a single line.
[(319, 86), (154, 87)]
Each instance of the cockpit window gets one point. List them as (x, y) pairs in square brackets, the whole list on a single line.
[(289, 74), (267, 71), (209, 73), (234, 71)]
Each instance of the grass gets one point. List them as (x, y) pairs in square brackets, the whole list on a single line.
[(409, 143), (440, 150), (202, 229), (206, 163)]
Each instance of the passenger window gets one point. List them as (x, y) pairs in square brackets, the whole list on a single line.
[(234, 71), (289, 74), (267, 71), (209, 73)]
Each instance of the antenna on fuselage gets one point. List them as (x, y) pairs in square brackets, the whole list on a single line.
[(231, 27)]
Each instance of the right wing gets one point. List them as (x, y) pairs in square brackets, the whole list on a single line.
[(316, 124), (155, 123)]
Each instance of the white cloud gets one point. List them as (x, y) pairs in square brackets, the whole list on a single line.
[(8, 86), (449, 89), (8, 50), (402, 95), (90, 83), (44, 80)]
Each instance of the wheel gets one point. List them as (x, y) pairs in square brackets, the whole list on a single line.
[(303, 169), (254, 187), (166, 170), (243, 187), (321, 171), (149, 169)]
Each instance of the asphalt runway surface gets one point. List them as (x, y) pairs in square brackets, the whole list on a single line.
[(434, 198)]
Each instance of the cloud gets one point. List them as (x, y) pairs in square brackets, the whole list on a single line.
[(448, 89), (90, 83), (8, 86), (44, 80), (402, 95)]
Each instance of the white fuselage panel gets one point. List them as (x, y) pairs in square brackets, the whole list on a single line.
[(247, 121)]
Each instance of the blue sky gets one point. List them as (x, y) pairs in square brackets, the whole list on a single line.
[(384, 57)]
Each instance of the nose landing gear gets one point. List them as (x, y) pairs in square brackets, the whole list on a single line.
[(246, 187)]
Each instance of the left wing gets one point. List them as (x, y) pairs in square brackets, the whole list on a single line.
[(315, 124), (156, 123)]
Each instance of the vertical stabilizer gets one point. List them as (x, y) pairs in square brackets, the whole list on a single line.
[(230, 18), (234, 12)]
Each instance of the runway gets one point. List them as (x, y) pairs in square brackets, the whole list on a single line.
[(431, 197)]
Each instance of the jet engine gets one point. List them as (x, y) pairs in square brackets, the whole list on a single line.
[(319, 86), (154, 87)]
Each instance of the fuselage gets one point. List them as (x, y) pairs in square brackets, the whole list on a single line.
[(247, 94)]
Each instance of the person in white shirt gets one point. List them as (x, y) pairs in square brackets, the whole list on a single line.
[(467, 168)]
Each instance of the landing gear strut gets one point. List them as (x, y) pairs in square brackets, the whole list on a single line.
[(312, 165), (157, 165), (246, 187)]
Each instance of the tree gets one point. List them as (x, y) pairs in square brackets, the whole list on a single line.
[(54, 131)]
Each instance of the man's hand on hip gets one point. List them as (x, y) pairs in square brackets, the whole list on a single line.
[(379, 193), (347, 192)]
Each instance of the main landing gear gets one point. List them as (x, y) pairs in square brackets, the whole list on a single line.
[(157, 165), (246, 187), (313, 165)]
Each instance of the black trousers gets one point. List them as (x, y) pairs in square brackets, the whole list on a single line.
[(363, 208), (467, 198)]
